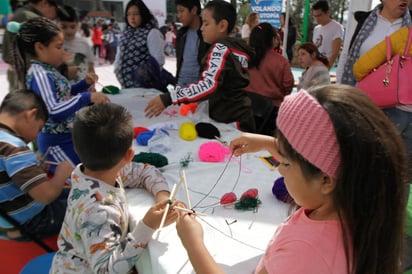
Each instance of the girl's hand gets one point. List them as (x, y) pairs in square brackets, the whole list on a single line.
[(250, 142), (154, 215), (154, 108), (91, 78), (190, 231), (97, 97)]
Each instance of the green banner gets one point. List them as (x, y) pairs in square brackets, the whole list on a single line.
[(5, 7)]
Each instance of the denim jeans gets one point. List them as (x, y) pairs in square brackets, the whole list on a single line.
[(403, 122)]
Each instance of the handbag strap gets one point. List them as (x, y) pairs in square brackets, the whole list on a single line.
[(388, 49), (408, 44)]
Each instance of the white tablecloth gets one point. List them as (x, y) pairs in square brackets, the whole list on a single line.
[(235, 238)]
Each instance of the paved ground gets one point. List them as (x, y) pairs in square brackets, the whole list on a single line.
[(105, 72)]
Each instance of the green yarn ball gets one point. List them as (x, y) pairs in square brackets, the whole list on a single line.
[(248, 203), (111, 90), (155, 159)]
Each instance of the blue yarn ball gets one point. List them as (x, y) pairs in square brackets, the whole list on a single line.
[(144, 137), (280, 191)]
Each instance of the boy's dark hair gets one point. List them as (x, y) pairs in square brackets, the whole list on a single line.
[(261, 39), (145, 13), (34, 30), (67, 14), (21, 100), (321, 5), (190, 4), (102, 133), (223, 11)]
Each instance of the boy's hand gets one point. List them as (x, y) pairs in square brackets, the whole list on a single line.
[(91, 78), (154, 215), (154, 107)]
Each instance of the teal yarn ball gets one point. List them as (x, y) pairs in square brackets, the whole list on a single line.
[(13, 27), (155, 159)]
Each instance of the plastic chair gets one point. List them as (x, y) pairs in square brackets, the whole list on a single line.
[(39, 265), (15, 255), (262, 109)]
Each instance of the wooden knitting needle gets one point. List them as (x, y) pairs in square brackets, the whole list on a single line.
[(189, 211), (186, 189), (171, 197)]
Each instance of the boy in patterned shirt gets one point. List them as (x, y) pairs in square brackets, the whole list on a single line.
[(98, 234)]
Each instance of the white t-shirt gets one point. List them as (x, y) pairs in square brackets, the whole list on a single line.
[(323, 36)]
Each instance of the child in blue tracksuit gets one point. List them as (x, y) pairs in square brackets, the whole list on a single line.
[(40, 42)]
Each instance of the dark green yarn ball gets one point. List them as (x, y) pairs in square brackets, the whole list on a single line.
[(110, 90), (155, 159)]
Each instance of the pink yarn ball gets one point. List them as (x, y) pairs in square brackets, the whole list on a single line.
[(212, 152)]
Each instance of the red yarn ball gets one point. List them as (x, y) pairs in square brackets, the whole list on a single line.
[(228, 198)]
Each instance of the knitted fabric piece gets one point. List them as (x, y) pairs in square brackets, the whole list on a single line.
[(309, 130)]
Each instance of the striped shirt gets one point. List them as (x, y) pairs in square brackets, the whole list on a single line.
[(19, 172)]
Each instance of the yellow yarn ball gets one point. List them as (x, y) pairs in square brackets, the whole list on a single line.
[(187, 131)]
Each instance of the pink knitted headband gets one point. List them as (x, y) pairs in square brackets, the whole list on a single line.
[(309, 130)]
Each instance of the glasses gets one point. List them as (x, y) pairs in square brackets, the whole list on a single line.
[(317, 15)]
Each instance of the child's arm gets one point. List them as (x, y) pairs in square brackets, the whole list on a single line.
[(83, 85), (147, 176), (58, 110), (249, 142), (211, 80), (47, 191), (211, 77), (191, 234)]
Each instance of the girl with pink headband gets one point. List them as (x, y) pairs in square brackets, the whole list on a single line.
[(345, 167)]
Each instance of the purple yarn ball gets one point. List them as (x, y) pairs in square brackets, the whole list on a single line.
[(280, 191)]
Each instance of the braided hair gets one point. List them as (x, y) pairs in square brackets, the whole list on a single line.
[(34, 30)]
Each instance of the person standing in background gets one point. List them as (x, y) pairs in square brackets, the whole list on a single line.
[(97, 39), (190, 47), (82, 58), (269, 72), (140, 56), (328, 34), (291, 39), (252, 19)]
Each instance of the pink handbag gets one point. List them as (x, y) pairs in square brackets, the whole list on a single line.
[(390, 84)]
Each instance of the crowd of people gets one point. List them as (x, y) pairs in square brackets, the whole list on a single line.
[(346, 162)]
